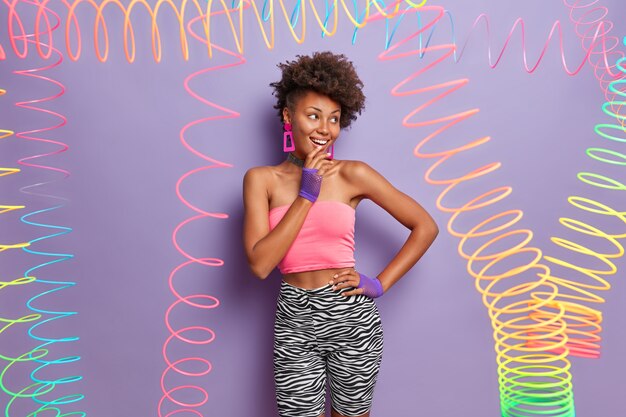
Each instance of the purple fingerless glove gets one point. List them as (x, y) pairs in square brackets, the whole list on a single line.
[(371, 286), (310, 184)]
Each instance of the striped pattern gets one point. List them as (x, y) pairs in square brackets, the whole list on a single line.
[(320, 333)]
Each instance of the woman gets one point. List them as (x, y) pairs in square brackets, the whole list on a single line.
[(299, 216)]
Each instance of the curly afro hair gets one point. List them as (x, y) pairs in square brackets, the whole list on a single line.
[(325, 73)]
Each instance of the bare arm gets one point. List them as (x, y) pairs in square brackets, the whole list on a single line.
[(403, 208), (265, 248)]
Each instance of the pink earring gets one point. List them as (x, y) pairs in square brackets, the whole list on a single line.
[(288, 137)]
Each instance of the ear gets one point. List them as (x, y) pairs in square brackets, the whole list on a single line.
[(286, 116)]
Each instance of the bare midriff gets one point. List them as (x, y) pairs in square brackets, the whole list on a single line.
[(311, 279)]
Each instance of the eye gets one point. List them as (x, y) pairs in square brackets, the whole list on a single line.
[(335, 119), (312, 116)]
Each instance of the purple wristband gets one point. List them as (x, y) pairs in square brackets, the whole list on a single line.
[(310, 184), (371, 286)]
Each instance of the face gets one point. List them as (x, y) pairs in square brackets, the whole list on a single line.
[(314, 119)]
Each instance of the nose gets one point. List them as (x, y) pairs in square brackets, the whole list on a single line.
[(323, 128)]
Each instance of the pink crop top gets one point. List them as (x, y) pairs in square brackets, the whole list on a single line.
[(326, 239)]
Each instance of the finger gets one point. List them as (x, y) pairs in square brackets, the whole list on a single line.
[(347, 282), (311, 154), (342, 284), (320, 160), (355, 291), (348, 275), (321, 167), (344, 272), (325, 168), (352, 283), (323, 155), (316, 161), (336, 278), (337, 275)]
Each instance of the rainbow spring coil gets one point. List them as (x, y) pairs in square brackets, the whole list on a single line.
[(516, 385), (584, 335), (577, 295), (533, 379), (205, 16), (170, 393), (524, 388), (589, 20), (8, 322), (45, 391), (565, 326), (581, 338), (174, 393), (172, 402)]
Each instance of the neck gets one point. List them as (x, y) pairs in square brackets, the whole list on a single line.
[(295, 160)]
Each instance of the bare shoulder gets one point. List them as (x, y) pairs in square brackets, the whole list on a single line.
[(256, 182), (259, 173), (356, 171), (260, 170), (366, 181)]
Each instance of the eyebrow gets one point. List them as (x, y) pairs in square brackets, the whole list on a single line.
[(319, 110)]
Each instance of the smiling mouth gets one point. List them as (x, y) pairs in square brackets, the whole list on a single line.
[(320, 142)]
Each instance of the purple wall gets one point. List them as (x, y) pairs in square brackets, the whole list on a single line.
[(125, 157)]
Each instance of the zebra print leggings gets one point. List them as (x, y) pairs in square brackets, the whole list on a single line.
[(319, 332)]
